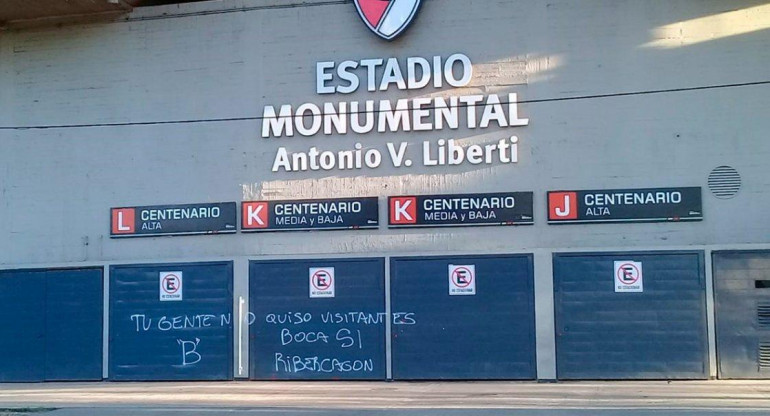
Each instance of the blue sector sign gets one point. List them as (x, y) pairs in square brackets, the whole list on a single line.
[(310, 214), (147, 221), (625, 205), (457, 210)]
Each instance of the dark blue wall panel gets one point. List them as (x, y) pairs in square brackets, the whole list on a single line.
[(296, 337), (490, 335), (52, 325), (171, 340), (657, 334), (74, 311), (22, 333)]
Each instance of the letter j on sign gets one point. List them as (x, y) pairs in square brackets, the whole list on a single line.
[(462, 279), (628, 276), (322, 282), (170, 286)]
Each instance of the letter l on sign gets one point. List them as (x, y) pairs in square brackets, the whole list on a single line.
[(123, 220), (121, 226)]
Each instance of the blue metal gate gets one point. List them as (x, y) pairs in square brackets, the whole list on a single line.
[(74, 322), (742, 292), (317, 319), (186, 336), (486, 335), (52, 325), (604, 331)]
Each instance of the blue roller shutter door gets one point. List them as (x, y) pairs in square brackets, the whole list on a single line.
[(489, 335), (191, 339), (22, 313), (659, 333), (296, 337), (52, 325), (74, 322)]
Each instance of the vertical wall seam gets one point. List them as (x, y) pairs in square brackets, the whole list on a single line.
[(545, 324), (106, 322), (388, 328), (710, 315)]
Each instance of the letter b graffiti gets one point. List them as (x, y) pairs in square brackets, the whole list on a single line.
[(190, 354)]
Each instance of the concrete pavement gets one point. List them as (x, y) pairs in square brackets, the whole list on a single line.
[(122, 411), (684, 395)]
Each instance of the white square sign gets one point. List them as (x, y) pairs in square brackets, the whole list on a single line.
[(321, 282), (462, 279), (628, 276), (170, 286)]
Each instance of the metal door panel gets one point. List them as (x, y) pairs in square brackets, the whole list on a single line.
[(22, 334), (74, 310), (295, 337), (659, 333), (189, 339), (489, 335), (742, 295)]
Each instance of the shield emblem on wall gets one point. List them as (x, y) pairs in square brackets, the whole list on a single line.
[(387, 18)]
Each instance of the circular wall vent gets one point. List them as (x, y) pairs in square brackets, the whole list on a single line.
[(724, 182)]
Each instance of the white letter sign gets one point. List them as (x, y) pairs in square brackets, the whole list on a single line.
[(170, 286), (462, 280), (628, 276), (321, 282)]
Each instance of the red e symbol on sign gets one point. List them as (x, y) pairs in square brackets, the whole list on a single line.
[(170, 284), (254, 215), (562, 206), (321, 280), (403, 210), (628, 274), (123, 220), (462, 277)]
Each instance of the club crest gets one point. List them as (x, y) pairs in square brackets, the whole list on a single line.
[(387, 18)]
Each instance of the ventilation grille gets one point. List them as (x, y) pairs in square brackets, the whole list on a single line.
[(724, 182), (764, 356), (763, 316)]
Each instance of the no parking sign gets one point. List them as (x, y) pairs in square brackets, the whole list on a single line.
[(628, 276), (321, 282), (462, 279), (170, 286)]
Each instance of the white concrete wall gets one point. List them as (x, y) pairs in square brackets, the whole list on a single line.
[(228, 59)]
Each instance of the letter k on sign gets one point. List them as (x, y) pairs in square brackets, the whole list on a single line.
[(403, 210), (254, 215)]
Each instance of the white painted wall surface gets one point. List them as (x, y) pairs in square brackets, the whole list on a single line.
[(229, 59)]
